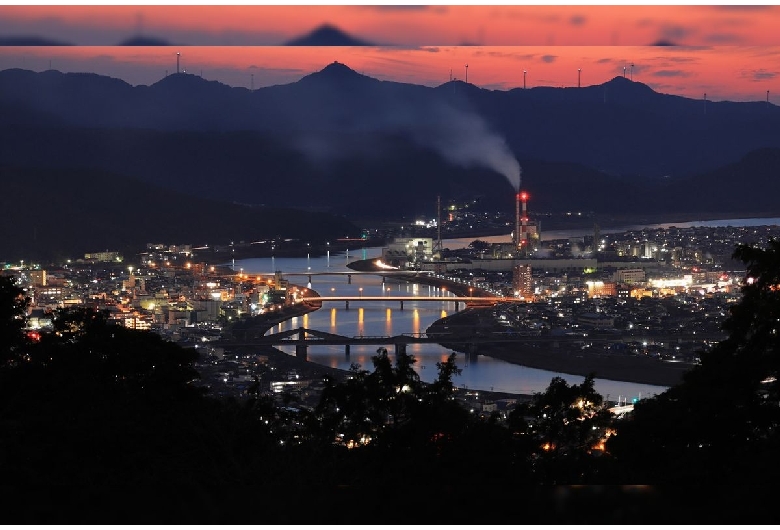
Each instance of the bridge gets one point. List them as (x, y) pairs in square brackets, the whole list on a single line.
[(468, 300), (302, 338), (384, 274)]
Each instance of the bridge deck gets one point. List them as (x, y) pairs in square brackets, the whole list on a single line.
[(392, 298)]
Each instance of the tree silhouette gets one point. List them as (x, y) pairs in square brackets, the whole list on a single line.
[(561, 429), (13, 319), (721, 423)]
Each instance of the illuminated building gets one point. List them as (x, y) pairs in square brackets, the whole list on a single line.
[(522, 282), (629, 275), (601, 289), (404, 250), (104, 256)]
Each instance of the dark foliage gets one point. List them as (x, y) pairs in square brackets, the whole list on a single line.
[(721, 424), (104, 425), (13, 318)]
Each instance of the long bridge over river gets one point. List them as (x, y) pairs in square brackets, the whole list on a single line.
[(349, 274), (468, 300), (302, 338)]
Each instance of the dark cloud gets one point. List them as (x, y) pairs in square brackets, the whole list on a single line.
[(673, 32), (671, 73), (679, 59), (723, 38), (759, 75), (604, 61), (549, 58), (577, 20), (506, 55), (663, 42)]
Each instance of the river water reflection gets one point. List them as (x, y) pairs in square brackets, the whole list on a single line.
[(387, 319)]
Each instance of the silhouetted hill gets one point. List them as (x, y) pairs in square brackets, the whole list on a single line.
[(401, 179), (327, 35), (52, 214), (753, 182), (344, 142), (621, 127)]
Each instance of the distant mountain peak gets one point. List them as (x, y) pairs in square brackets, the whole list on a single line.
[(327, 35), (337, 72), (337, 68), (623, 83)]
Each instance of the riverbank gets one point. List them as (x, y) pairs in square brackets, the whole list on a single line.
[(568, 359), (457, 288), (259, 325)]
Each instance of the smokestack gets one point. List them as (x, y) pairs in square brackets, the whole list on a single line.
[(517, 221), (524, 198), (438, 220)]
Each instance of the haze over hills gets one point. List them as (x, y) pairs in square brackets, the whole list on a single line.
[(57, 214), (344, 142)]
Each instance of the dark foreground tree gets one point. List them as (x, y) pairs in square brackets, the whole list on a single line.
[(721, 424), (560, 431), (13, 305)]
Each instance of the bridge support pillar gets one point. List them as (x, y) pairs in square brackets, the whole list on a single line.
[(383, 280), (472, 352), (346, 302), (346, 350), (402, 305), (309, 279), (349, 279), (301, 352), (400, 348), (457, 306)]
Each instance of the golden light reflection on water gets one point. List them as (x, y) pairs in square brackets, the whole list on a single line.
[(333, 320), (389, 322), (443, 313), (360, 321), (416, 321), (306, 321)]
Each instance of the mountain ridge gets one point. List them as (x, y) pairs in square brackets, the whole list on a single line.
[(350, 144)]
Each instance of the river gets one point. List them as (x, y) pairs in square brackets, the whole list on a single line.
[(386, 318)]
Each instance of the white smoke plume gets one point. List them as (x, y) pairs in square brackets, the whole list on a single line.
[(459, 136), (463, 138)]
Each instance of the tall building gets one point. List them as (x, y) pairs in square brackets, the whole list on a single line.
[(522, 282)]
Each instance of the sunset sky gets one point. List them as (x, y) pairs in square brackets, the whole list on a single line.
[(729, 53)]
